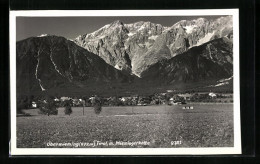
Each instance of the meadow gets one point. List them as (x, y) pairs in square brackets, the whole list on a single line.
[(207, 125)]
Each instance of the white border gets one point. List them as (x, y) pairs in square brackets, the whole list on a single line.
[(125, 151)]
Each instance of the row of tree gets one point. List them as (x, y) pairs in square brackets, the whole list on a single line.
[(49, 107)]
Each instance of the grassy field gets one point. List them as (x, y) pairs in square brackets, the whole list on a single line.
[(208, 125)]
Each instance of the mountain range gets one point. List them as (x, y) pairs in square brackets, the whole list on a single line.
[(134, 47), (129, 55)]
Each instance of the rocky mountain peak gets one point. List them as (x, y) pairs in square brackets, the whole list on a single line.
[(117, 23), (135, 46), (201, 20)]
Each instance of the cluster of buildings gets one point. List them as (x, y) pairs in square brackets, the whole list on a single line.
[(169, 98)]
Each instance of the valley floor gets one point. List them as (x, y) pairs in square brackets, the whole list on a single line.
[(207, 125)]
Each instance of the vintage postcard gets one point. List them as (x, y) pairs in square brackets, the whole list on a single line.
[(125, 82)]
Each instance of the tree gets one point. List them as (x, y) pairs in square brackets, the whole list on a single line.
[(67, 105), (97, 105), (23, 102), (48, 107), (97, 108), (21, 105)]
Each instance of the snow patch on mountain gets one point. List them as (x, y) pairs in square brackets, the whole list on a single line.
[(141, 28), (218, 85), (78, 38), (117, 67), (221, 84), (106, 26), (136, 74), (131, 34), (205, 39), (43, 89), (55, 66), (153, 37), (189, 29), (223, 80), (43, 35), (36, 74)]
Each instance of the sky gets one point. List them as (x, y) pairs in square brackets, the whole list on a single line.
[(71, 27)]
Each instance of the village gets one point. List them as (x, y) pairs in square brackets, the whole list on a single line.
[(168, 98)]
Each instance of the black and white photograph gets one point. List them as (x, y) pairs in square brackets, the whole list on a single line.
[(125, 82)]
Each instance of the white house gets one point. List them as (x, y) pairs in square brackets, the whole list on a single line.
[(34, 105), (212, 95)]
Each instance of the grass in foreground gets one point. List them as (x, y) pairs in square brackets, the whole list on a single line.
[(208, 125)]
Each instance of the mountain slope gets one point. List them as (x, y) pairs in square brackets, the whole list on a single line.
[(48, 62), (210, 61)]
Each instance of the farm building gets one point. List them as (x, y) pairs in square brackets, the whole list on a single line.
[(174, 101), (186, 96)]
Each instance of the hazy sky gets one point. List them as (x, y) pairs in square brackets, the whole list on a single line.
[(71, 27)]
